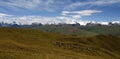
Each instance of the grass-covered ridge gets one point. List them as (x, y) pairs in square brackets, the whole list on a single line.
[(36, 44), (81, 30)]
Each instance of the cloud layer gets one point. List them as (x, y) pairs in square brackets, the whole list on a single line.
[(4, 15), (36, 19), (79, 14), (68, 17), (91, 3), (62, 11), (54, 5)]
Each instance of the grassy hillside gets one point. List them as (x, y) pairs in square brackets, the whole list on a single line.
[(114, 30), (64, 29), (78, 30), (35, 44), (81, 30)]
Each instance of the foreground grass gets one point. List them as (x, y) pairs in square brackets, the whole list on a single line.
[(35, 44)]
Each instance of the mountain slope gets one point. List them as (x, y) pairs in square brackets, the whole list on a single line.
[(35, 44), (81, 30), (114, 30), (66, 29)]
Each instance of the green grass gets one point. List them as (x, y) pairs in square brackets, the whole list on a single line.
[(36, 44), (68, 30), (114, 30), (81, 30)]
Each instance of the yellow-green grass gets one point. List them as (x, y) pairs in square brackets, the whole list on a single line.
[(35, 44)]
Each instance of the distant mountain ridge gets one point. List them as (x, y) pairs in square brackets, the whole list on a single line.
[(90, 29)]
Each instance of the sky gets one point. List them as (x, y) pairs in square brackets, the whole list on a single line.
[(59, 11)]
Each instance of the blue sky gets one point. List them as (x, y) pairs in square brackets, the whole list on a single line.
[(57, 11)]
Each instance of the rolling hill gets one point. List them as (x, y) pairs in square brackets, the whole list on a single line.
[(114, 30), (36, 44), (81, 30)]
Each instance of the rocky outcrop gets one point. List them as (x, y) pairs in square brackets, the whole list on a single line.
[(77, 48)]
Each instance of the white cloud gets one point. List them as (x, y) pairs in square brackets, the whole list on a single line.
[(76, 16), (28, 4), (46, 20), (84, 22), (103, 23), (91, 3), (38, 5), (53, 5), (79, 14), (116, 22), (82, 13), (65, 12), (4, 15), (37, 19), (67, 20)]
